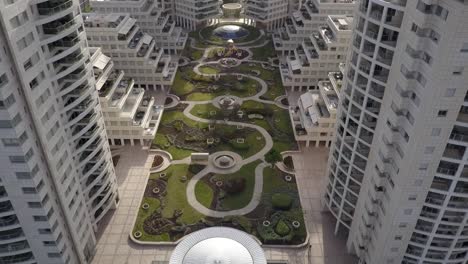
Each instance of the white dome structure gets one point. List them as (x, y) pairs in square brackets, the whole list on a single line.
[(218, 245)]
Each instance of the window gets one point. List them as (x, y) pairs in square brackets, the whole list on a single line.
[(10, 142), (34, 204), (458, 70), (450, 92), (49, 243), (17, 159), (29, 190), (40, 218), (3, 80), (436, 132), (44, 231), (464, 47), (442, 113), (403, 225), (412, 197), (429, 150), (23, 175)]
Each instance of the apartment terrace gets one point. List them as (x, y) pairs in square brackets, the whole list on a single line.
[(144, 111), (111, 83), (94, 20), (329, 96), (132, 103), (121, 92)]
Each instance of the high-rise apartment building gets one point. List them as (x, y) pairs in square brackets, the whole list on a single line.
[(320, 53), (130, 114), (131, 49), (57, 178), (194, 14), (270, 14), (302, 22), (397, 177), (153, 17)]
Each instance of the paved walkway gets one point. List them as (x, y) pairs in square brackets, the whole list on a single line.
[(114, 246)]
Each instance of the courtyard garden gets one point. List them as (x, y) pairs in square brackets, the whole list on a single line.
[(232, 113)]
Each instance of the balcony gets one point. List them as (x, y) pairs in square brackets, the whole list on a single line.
[(454, 152), (11, 234), (51, 7), (17, 246), (8, 221), (17, 258), (441, 184), (58, 26)]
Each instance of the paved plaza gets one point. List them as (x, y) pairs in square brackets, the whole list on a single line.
[(132, 172)]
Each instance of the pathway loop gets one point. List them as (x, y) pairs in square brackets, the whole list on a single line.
[(210, 168)]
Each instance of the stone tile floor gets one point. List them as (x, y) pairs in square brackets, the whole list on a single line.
[(132, 171)]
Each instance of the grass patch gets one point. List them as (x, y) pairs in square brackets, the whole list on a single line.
[(264, 52), (206, 69), (204, 193), (240, 200)]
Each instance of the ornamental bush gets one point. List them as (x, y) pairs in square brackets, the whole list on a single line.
[(282, 229), (236, 185), (281, 201)]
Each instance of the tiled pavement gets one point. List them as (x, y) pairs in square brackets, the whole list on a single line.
[(132, 171)]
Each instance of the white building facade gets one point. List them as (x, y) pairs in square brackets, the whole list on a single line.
[(314, 116), (130, 115), (131, 49), (153, 17), (302, 22), (195, 14), (318, 55), (57, 177), (397, 181)]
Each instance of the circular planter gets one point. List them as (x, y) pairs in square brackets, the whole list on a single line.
[(156, 190), (145, 206), (287, 178), (137, 234), (266, 223), (183, 178), (219, 183), (162, 175), (296, 224)]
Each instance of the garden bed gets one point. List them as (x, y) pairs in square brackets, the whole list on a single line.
[(277, 220)]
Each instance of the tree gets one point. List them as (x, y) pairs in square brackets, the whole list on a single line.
[(273, 156)]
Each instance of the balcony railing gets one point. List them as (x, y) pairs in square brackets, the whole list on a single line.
[(52, 9), (57, 27)]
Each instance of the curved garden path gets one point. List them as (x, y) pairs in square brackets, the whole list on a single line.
[(257, 191)]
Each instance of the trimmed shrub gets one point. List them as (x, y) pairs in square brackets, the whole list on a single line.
[(282, 229), (281, 201), (236, 185)]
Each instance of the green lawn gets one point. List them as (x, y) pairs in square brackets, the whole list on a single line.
[(204, 193), (203, 110), (231, 201), (175, 199), (275, 88), (143, 214), (265, 52), (206, 69), (197, 90)]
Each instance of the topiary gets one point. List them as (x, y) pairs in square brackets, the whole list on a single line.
[(281, 201), (282, 229)]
